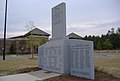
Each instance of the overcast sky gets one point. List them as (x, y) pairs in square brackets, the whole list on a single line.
[(84, 17)]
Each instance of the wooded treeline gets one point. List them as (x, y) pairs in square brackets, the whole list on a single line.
[(109, 41)]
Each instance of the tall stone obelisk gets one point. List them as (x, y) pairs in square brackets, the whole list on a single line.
[(59, 21)]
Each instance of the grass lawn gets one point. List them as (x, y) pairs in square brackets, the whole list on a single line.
[(113, 52), (8, 67), (108, 65), (104, 68)]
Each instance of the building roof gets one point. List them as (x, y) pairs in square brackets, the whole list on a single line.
[(21, 36), (37, 31), (74, 36)]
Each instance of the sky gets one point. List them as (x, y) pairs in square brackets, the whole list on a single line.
[(83, 17)]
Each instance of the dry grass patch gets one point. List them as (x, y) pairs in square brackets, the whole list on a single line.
[(109, 52), (106, 69), (8, 67), (108, 65)]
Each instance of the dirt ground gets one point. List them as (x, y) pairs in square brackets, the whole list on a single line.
[(25, 70), (99, 76)]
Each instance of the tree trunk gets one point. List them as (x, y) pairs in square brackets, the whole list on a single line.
[(32, 56)]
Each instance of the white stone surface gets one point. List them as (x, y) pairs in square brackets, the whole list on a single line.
[(64, 55), (41, 56), (68, 56), (81, 58), (19, 77), (32, 76), (59, 21), (55, 58)]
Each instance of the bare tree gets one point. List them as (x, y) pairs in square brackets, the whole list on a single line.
[(30, 26)]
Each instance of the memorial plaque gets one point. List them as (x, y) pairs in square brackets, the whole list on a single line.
[(59, 21), (41, 56), (55, 58), (81, 55)]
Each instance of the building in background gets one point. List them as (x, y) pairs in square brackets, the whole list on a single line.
[(19, 44), (74, 36)]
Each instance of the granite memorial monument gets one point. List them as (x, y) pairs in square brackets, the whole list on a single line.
[(64, 55)]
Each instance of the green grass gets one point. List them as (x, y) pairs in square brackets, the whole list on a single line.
[(108, 65), (8, 67)]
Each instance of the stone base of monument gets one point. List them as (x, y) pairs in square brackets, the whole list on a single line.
[(67, 56), (54, 56), (81, 58)]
